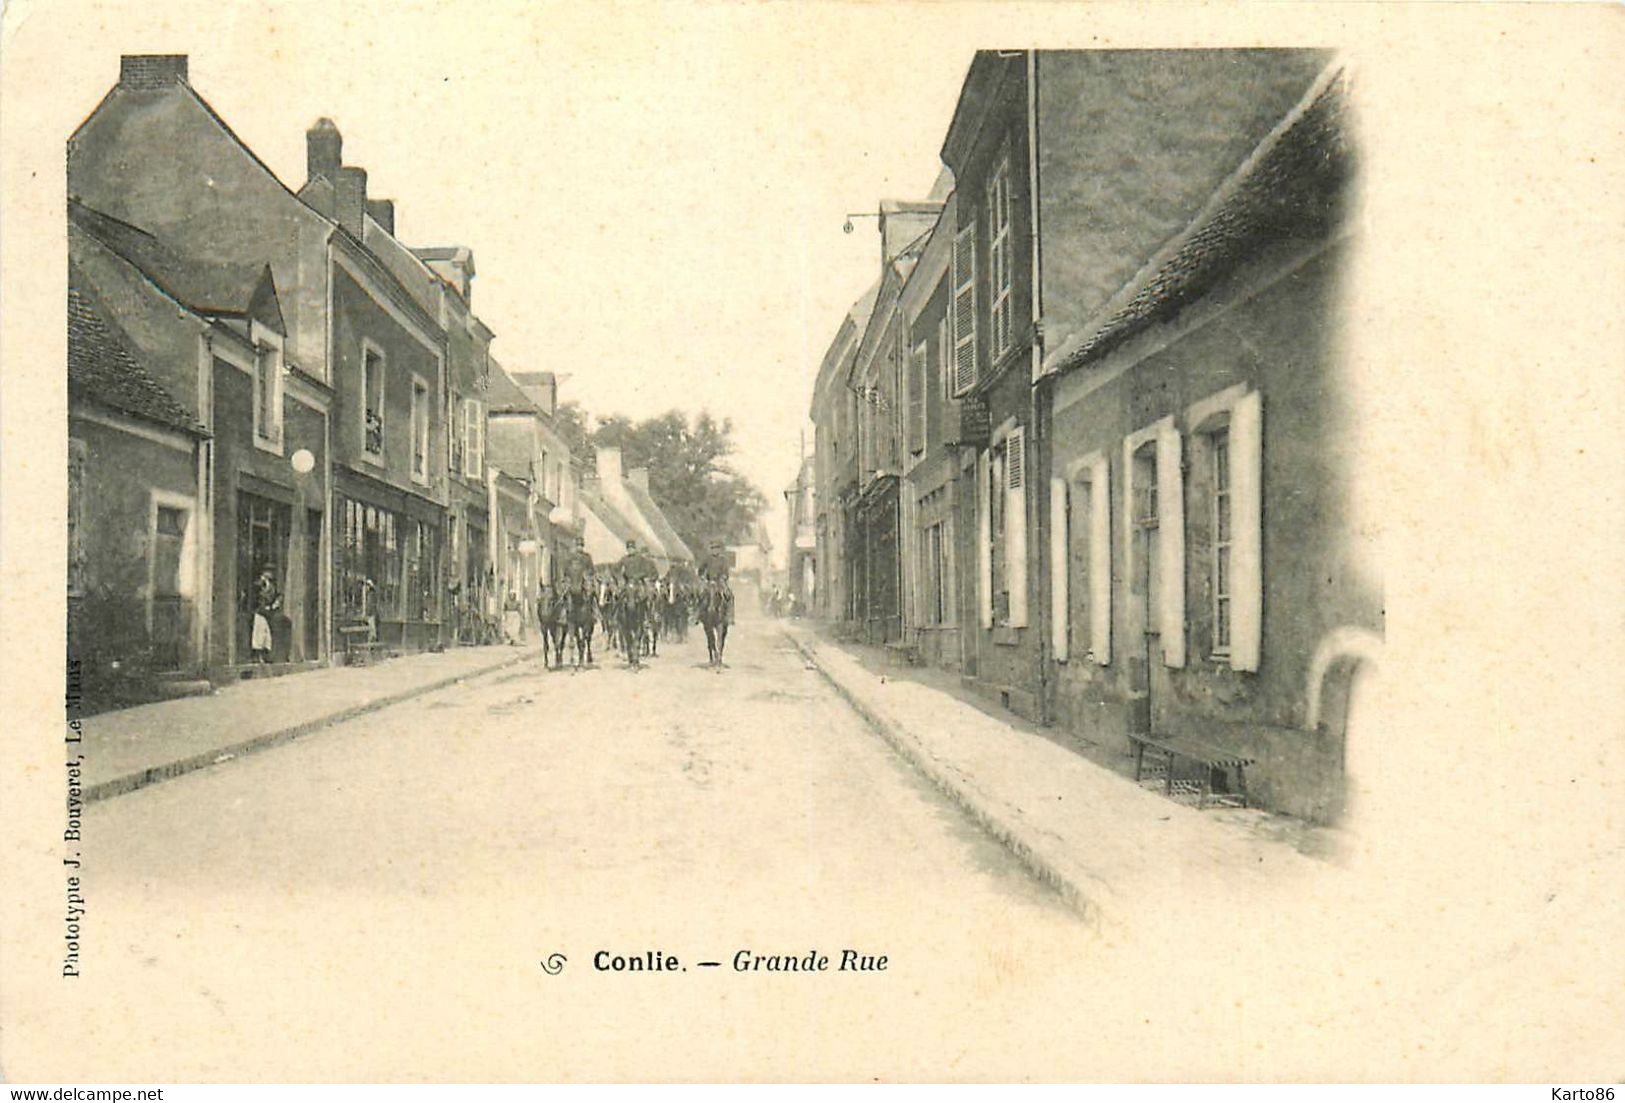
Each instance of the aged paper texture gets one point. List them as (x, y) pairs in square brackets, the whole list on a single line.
[(672, 181)]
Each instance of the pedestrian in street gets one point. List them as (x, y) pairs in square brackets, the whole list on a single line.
[(267, 600), (513, 620)]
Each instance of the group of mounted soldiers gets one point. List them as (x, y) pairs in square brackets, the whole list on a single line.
[(633, 605)]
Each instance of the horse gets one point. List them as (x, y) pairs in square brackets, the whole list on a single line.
[(552, 617), (580, 616), (716, 606), (633, 609)]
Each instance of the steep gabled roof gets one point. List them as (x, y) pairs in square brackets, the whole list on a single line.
[(103, 369), (1290, 189), (673, 544), (594, 502), (207, 286), (503, 395)]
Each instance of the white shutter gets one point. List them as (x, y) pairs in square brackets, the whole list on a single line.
[(1100, 563), (1015, 524), (1171, 535), (984, 541), (1060, 524), (964, 310), (1247, 543)]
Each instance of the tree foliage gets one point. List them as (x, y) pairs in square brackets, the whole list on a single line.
[(689, 477)]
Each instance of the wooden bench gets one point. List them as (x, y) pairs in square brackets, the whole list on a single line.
[(908, 653), (1212, 760), (361, 646)]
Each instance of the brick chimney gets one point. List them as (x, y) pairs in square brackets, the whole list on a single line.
[(383, 213), (352, 198), (324, 152), (151, 72)]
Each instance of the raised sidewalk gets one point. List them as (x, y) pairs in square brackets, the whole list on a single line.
[(130, 748), (1112, 848)]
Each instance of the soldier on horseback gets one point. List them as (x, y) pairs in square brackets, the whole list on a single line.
[(638, 576), (716, 600), (577, 589)]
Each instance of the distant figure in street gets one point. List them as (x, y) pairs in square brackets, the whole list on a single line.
[(513, 620), (267, 600)]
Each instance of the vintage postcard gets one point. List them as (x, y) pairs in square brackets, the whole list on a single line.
[(826, 542)]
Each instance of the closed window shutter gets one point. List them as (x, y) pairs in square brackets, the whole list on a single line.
[(965, 310), (1100, 563), (1171, 535), (916, 400), (984, 541), (1247, 547), (1060, 524), (1015, 525)]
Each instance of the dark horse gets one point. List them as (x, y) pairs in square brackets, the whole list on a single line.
[(715, 610), (552, 616), (634, 605), (580, 617)]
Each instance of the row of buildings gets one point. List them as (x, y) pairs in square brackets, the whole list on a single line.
[(265, 382), (1086, 438)]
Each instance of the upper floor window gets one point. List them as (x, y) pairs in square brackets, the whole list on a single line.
[(457, 432), (964, 309), (474, 430), (1001, 255), (267, 389), (372, 400), (420, 430), (916, 399)]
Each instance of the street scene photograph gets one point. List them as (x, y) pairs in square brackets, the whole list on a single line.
[(723, 543)]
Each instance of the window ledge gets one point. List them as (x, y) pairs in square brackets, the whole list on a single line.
[(264, 444), (372, 458)]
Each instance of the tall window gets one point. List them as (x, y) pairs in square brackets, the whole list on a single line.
[(1001, 252), (964, 309), (474, 432), (420, 429), (996, 499), (372, 382), (458, 434), (1219, 450), (916, 400), (268, 394)]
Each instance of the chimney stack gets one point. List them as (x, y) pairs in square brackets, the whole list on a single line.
[(541, 387), (352, 198), (639, 477), (609, 466), (151, 72), (324, 152), (383, 213)]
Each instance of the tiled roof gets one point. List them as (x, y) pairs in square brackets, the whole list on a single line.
[(674, 546), (1293, 191), (102, 369), (594, 502), (209, 287), (503, 396)]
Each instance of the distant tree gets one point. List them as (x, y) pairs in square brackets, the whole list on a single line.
[(689, 475), (571, 421)]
